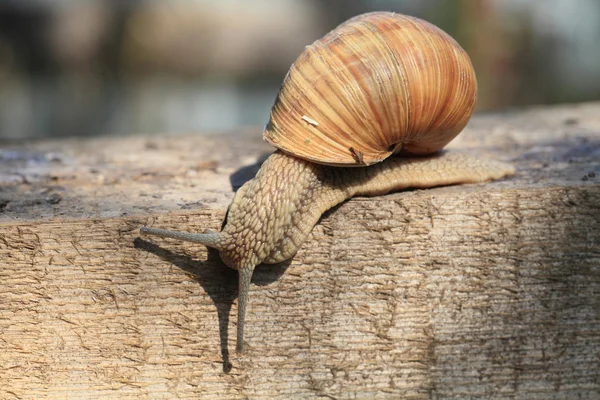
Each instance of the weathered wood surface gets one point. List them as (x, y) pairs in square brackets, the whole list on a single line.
[(486, 291)]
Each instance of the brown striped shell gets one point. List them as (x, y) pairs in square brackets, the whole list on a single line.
[(379, 83)]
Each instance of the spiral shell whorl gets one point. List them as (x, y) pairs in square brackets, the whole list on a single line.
[(378, 80)]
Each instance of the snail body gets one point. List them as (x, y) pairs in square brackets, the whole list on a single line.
[(350, 101)]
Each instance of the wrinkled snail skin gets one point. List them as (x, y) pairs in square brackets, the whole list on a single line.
[(377, 89), (271, 215)]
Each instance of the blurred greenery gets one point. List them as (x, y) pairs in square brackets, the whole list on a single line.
[(72, 68)]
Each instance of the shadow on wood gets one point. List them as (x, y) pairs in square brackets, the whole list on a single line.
[(226, 282), (244, 174)]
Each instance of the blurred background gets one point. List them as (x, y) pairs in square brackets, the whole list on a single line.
[(91, 67)]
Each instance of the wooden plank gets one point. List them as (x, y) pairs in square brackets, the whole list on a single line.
[(469, 291)]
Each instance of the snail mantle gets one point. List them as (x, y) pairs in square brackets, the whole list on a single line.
[(460, 291)]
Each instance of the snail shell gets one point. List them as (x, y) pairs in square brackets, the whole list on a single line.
[(379, 83)]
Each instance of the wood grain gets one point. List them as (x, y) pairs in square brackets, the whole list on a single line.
[(475, 291)]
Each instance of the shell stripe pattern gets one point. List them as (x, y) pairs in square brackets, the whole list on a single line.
[(376, 81)]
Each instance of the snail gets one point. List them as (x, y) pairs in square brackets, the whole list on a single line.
[(380, 84)]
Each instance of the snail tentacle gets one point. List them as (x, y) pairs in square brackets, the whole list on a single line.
[(245, 276)]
